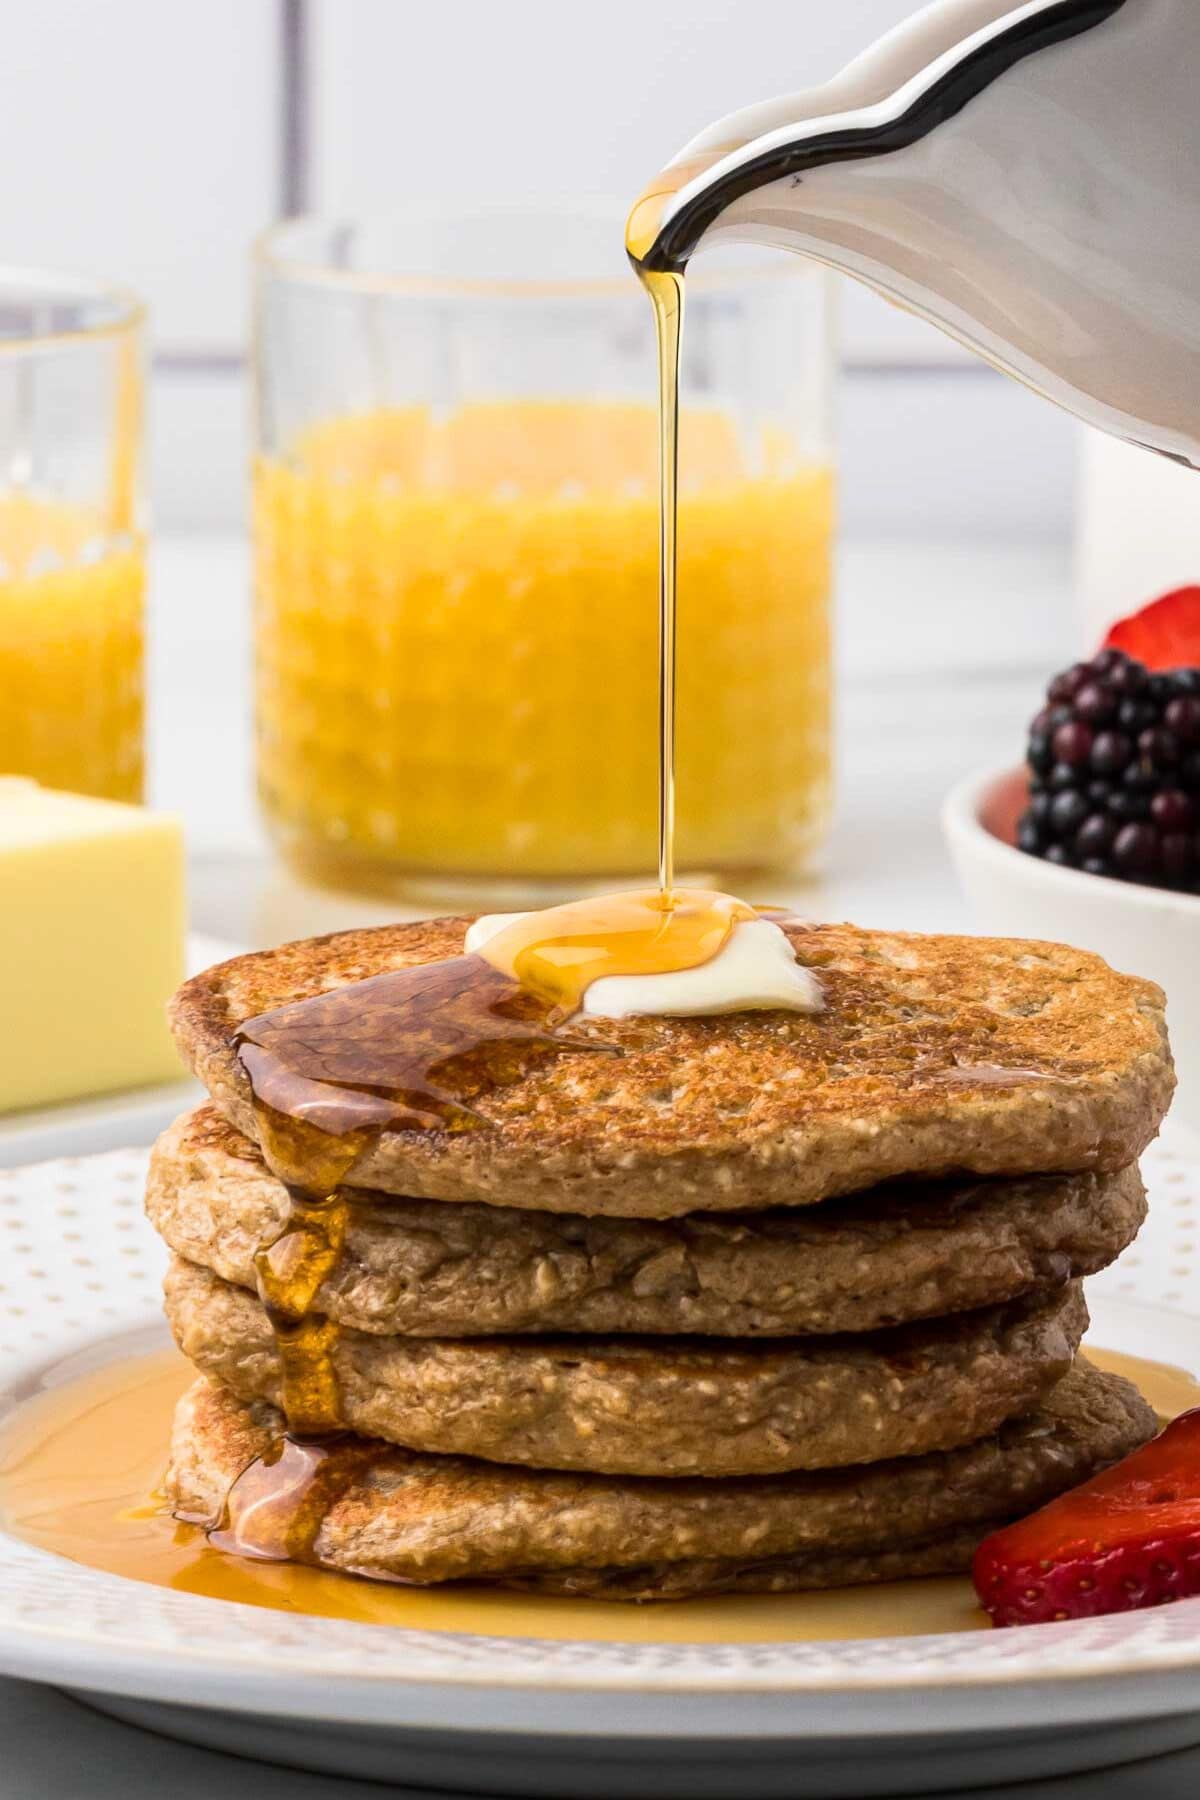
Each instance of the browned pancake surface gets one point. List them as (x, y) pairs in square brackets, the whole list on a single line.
[(425, 1519), (932, 1056), (659, 1406), (423, 1268)]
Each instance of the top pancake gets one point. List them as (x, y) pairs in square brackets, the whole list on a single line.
[(933, 1056)]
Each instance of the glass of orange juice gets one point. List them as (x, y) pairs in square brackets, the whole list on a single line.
[(456, 542), (72, 547)]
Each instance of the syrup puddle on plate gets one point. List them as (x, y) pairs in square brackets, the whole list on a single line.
[(80, 1460)]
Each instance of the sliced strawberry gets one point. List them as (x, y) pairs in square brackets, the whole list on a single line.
[(1126, 1539), (1163, 635)]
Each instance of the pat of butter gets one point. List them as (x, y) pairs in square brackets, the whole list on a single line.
[(91, 944), (756, 970)]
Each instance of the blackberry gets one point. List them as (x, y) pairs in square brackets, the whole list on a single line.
[(1182, 716), (1110, 753), (1124, 806), (1094, 838), (1068, 813), (1114, 763), (1135, 715)]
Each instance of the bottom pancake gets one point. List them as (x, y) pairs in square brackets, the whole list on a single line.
[(420, 1519)]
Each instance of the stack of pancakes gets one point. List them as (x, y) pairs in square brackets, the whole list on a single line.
[(765, 1301)]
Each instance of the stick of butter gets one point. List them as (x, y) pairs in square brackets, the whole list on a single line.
[(91, 944)]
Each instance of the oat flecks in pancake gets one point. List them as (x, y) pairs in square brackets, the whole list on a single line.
[(429, 1519), (660, 1406), (894, 1077), (422, 1268)]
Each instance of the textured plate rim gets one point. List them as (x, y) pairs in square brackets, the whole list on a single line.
[(88, 1628)]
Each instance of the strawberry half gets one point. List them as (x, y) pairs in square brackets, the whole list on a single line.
[(1126, 1539), (1163, 635)]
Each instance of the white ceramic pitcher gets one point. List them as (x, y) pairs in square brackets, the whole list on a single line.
[(1026, 177)]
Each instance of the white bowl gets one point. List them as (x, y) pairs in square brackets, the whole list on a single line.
[(1141, 930)]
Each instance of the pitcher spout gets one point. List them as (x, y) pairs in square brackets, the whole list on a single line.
[(1025, 177)]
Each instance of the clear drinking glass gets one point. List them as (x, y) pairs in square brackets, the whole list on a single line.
[(72, 545), (456, 526)]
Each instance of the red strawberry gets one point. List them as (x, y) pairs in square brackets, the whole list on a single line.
[(1163, 635), (1126, 1539)]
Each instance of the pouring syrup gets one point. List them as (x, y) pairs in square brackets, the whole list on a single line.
[(1025, 177), (867, 175), (952, 169)]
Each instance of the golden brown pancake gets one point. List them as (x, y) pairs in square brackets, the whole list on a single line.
[(424, 1519), (425, 1269), (659, 1406), (933, 1056)]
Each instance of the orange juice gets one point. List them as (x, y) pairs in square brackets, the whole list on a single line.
[(71, 647), (457, 643)]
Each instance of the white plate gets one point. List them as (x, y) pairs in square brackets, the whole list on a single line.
[(107, 1120), (517, 1715)]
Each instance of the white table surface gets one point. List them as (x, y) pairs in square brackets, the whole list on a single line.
[(943, 651), (56, 1749)]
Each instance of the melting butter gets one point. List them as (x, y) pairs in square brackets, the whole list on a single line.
[(617, 955)]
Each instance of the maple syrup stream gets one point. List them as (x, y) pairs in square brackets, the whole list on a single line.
[(413, 1049)]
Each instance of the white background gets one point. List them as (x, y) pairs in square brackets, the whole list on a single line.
[(148, 140)]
